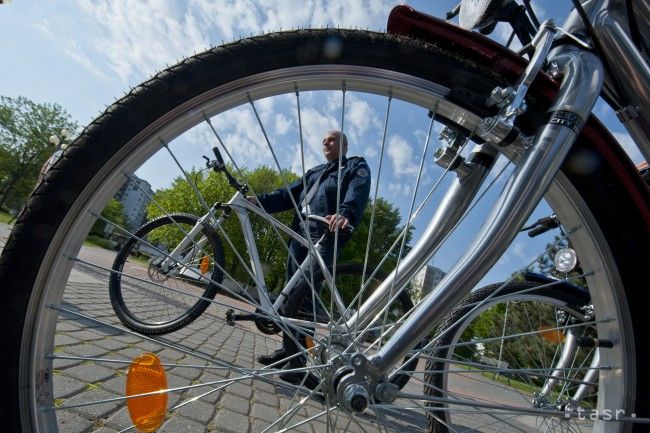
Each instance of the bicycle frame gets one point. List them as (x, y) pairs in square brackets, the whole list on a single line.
[(627, 84), (583, 77), (241, 206)]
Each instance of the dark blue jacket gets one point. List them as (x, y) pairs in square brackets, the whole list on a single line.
[(355, 188)]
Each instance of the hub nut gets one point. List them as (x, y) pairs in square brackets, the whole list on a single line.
[(356, 398)]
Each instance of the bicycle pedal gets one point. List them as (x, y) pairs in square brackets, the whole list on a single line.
[(230, 317)]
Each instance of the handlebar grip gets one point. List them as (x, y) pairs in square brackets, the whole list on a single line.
[(538, 231), (217, 155), (322, 220)]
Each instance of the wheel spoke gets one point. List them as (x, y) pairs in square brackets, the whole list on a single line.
[(483, 370)]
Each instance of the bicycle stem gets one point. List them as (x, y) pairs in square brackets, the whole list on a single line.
[(581, 85)]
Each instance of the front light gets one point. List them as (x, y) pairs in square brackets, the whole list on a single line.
[(565, 260)]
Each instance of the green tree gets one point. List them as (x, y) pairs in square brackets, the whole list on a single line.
[(180, 197), (114, 211), (25, 127), (385, 231)]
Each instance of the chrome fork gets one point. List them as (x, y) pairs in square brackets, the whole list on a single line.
[(582, 81)]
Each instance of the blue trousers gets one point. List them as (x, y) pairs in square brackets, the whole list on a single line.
[(304, 290)]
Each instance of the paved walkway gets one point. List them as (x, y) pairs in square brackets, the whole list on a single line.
[(245, 406), (223, 405)]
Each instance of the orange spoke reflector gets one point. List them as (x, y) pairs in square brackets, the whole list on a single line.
[(552, 335), (146, 374), (309, 345), (205, 264)]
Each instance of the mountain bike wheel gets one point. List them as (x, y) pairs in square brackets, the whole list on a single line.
[(152, 300), (65, 351), (520, 327)]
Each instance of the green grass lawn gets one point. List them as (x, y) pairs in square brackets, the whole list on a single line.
[(5, 217), (528, 388), (98, 242)]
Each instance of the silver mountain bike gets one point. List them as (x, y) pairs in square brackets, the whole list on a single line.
[(515, 135)]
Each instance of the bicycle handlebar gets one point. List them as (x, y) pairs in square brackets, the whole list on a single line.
[(220, 166), (321, 219), (542, 225)]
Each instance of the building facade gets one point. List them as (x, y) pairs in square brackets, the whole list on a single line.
[(134, 196), (424, 281)]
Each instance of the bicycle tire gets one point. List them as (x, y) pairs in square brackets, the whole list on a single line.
[(538, 302), (185, 310), (55, 220)]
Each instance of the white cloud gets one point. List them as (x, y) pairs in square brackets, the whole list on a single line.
[(401, 155), (45, 27), (518, 249), (371, 151), (360, 118), (243, 138), (235, 18), (286, 14), (282, 124), (76, 53), (131, 40), (399, 189), (232, 18), (314, 125), (136, 38)]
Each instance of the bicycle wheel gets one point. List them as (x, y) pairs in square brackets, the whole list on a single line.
[(153, 300), (65, 351), (508, 340)]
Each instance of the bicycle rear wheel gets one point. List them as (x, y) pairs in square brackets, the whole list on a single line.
[(57, 319), (508, 339), (152, 300)]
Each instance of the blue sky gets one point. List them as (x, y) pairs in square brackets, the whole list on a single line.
[(84, 54)]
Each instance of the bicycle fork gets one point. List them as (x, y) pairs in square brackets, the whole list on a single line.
[(582, 81)]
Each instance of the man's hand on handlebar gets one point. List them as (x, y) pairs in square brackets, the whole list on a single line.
[(335, 220)]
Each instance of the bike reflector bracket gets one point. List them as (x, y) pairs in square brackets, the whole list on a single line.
[(146, 376)]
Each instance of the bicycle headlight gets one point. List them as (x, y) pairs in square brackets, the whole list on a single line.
[(565, 260), (476, 14)]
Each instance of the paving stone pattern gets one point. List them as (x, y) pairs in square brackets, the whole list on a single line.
[(212, 396), (242, 406)]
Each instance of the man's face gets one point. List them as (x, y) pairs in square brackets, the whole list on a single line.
[(332, 146)]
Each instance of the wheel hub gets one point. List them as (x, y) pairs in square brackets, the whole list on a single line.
[(349, 382)]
